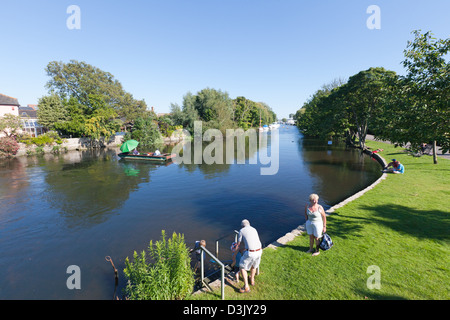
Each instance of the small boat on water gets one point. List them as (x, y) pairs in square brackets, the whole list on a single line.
[(274, 126), (147, 156)]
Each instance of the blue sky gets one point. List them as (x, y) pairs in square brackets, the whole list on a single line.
[(278, 52)]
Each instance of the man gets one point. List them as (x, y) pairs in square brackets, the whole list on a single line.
[(397, 167), (252, 255)]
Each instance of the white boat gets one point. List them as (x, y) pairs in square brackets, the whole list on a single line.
[(274, 126)]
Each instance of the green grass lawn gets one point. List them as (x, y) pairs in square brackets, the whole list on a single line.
[(401, 226)]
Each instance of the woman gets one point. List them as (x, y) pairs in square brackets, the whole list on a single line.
[(316, 222)]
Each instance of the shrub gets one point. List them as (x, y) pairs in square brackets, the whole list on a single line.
[(8, 147), (42, 140), (168, 276)]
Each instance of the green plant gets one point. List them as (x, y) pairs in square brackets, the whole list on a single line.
[(42, 140), (39, 150), (168, 274)]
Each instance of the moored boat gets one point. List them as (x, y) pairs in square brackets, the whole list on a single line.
[(147, 156)]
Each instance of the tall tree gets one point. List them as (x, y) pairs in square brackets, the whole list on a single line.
[(51, 111), (80, 79), (365, 95), (427, 83)]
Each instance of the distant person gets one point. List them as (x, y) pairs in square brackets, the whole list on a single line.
[(423, 147), (135, 152), (397, 167), (252, 256), (376, 151), (316, 223), (157, 153)]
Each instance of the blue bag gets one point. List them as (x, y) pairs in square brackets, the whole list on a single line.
[(326, 242)]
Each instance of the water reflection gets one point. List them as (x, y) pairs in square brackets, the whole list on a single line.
[(339, 171)]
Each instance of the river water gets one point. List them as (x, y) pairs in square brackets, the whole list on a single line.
[(79, 207)]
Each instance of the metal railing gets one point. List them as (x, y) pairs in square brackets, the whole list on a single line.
[(236, 233), (202, 269)]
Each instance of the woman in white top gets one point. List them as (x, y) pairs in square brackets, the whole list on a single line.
[(316, 222)]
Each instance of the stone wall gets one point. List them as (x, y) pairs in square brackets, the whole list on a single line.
[(75, 144), (86, 143)]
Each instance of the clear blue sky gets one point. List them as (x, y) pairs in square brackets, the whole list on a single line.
[(275, 51)]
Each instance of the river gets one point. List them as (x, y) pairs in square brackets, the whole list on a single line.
[(79, 207)]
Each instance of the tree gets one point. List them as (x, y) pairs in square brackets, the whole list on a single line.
[(80, 79), (146, 131), (218, 111), (365, 95), (187, 114), (10, 124), (102, 123), (422, 110), (244, 112), (320, 115), (51, 111), (215, 108), (132, 109)]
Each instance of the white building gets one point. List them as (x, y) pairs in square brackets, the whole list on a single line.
[(8, 105)]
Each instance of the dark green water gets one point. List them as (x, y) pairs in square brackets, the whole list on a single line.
[(77, 208)]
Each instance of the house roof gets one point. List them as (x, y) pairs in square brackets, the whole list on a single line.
[(8, 101), (27, 112)]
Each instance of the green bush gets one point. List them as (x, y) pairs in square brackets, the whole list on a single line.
[(42, 140), (146, 132), (8, 147), (168, 276)]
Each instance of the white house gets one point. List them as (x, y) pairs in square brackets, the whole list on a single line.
[(8, 105)]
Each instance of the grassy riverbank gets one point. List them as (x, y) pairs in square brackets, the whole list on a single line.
[(402, 226)]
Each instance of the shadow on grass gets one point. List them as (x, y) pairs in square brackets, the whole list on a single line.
[(376, 295), (298, 248), (424, 224)]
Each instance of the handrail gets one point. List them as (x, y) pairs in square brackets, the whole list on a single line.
[(236, 233), (222, 266)]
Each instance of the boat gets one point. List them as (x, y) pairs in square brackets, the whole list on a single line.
[(274, 126), (147, 156)]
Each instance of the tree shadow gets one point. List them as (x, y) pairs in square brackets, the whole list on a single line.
[(348, 226), (424, 224), (377, 295)]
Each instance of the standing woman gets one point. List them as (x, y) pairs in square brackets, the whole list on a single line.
[(316, 222)]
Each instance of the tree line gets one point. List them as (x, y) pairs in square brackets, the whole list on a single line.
[(217, 110), (86, 101), (413, 108)]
